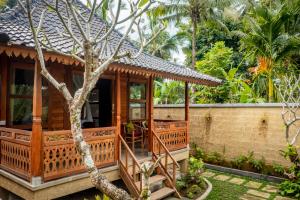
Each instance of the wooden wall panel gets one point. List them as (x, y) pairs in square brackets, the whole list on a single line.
[(56, 111)]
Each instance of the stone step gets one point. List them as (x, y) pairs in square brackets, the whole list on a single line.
[(162, 193), (250, 197), (153, 180)]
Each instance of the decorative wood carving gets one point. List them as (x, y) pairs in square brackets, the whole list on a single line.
[(172, 133), (62, 159), (15, 152)]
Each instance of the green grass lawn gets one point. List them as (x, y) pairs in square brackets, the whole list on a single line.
[(223, 190)]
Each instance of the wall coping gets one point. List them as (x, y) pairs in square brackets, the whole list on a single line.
[(227, 105)]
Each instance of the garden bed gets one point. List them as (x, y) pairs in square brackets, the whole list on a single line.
[(245, 173), (204, 192), (192, 185)]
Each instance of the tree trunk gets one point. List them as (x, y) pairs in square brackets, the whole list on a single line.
[(270, 87), (98, 179), (194, 32)]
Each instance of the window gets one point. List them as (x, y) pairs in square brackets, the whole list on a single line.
[(21, 90), (21, 94), (137, 101)]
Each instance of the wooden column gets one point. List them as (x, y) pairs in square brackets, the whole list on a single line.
[(4, 82), (118, 111), (187, 110), (36, 138), (150, 113)]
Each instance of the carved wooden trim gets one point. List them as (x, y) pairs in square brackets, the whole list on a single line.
[(31, 53), (123, 68), (172, 133), (61, 157), (15, 152)]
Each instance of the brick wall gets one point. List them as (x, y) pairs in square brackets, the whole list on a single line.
[(234, 129)]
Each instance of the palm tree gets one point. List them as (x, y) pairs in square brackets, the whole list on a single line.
[(268, 40), (194, 11), (165, 43)]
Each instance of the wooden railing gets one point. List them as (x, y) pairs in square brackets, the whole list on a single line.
[(15, 151), (165, 156), (172, 133), (129, 168), (62, 159)]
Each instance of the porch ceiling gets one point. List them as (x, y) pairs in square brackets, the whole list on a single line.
[(15, 24)]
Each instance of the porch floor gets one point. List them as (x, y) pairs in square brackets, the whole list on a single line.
[(138, 152)]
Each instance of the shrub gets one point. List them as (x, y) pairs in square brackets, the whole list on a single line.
[(199, 153), (257, 164), (278, 169), (193, 191), (214, 158), (291, 187), (192, 184), (239, 162)]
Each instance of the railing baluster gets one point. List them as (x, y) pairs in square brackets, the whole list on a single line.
[(141, 182), (174, 173), (135, 167), (171, 177), (159, 152), (126, 159), (166, 161), (133, 172)]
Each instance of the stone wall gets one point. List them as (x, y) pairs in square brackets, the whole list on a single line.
[(233, 130)]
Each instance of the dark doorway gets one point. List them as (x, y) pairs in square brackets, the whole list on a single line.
[(101, 103), (105, 97)]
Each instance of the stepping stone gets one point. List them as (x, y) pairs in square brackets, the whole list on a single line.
[(250, 197), (259, 194), (222, 177), (282, 198), (270, 188), (253, 184), (208, 174), (237, 181)]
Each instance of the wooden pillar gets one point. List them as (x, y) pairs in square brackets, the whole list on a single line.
[(187, 110), (4, 82), (118, 111), (150, 113), (36, 138)]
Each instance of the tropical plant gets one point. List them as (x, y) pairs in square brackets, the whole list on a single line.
[(168, 92), (239, 162), (267, 39), (291, 187), (192, 183), (217, 60), (164, 44), (194, 12), (278, 168)]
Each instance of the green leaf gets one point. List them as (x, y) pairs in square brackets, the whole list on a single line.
[(105, 9), (142, 3)]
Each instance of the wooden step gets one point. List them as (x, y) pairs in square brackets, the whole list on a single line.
[(162, 193), (153, 179)]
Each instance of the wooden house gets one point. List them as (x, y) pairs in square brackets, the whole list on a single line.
[(38, 159)]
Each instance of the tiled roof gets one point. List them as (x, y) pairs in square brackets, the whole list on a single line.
[(15, 23)]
